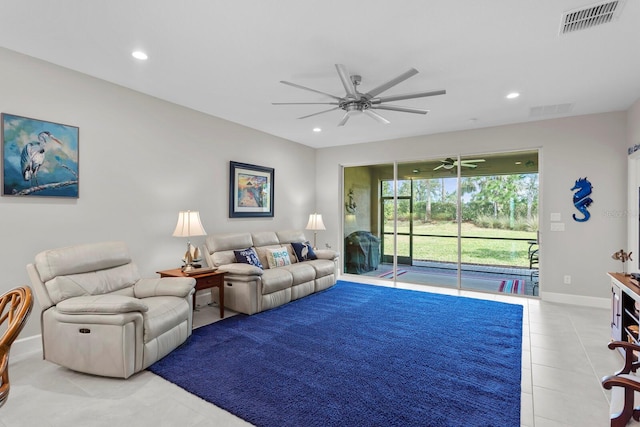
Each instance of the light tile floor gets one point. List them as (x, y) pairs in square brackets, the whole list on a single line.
[(564, 355)]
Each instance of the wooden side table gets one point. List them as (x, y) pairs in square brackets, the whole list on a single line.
[(205, 280)]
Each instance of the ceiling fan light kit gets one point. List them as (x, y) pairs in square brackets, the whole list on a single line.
[(355, 102)]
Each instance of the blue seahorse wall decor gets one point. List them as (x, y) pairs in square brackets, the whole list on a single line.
[(581, 199)]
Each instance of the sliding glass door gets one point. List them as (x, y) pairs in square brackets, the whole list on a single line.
[(468, 222)]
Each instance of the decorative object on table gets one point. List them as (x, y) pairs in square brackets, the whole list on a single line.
[(39, 158), (581, 199), (251, 190), (315, 223), (188, 225), (622, 256)]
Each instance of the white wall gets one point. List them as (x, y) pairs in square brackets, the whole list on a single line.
[(141, 161), (592, 146), (633, 139)]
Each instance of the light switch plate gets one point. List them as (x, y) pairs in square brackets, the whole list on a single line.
[(556, 216), (557, 226)]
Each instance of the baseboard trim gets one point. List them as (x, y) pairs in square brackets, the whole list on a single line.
[(25, 346), (576, 300)]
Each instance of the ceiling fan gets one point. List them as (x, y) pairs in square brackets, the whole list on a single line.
[(355, 102), (449, 163)]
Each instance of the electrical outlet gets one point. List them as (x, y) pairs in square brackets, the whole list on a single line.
[(567, 280)]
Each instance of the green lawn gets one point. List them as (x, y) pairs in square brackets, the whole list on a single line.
[(474, 251)]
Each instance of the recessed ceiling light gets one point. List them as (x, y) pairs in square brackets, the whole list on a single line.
[(138, 54), (513, 95), (518, 163), (317, 130)]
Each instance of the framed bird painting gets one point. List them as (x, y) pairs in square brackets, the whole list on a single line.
[(39, 158)]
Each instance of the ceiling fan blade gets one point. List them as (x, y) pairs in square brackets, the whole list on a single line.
[(346, 81), (398, 108), (321, 112), (344, 119), (391, 83), (410, 96), (311, 90), (473, 161), (304, 103), (376, 116), (438, 167), (468, 165)]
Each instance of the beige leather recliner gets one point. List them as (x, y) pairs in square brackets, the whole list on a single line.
[(99, 317)]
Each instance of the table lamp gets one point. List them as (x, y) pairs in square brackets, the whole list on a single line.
[(189, 225), (315, 223)]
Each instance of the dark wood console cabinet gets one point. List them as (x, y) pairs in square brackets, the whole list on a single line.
[(625, 308)]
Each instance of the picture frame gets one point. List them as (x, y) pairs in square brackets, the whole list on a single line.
[(251, 190), (39, 158)]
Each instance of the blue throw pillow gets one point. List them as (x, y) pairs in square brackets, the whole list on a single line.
[(303, 251), (248, 256)]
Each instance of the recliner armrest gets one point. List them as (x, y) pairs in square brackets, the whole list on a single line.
[(241, 269), (101, 304), (164, 286)]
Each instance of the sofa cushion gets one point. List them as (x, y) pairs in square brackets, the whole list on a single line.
[(323, 267), (288, 236), (265, 238), (278, 257), (276, 279), (228, 241), (301, 272), (303, 251), (248, 256), (223, 257)]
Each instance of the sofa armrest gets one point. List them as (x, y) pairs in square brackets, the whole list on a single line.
[(240, 268), (164, 286), (101, 304), (329, 254)]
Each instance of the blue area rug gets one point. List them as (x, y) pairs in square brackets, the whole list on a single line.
[(360, 355)]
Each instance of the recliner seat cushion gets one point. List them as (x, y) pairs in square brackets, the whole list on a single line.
[(323, 267), (301, 272), (276, 279)]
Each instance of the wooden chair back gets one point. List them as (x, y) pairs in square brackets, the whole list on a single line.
[(15, 307)]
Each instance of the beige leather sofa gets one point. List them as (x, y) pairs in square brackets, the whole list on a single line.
[(250, 289), (99, 317)]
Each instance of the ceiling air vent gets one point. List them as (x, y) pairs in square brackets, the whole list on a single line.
[(587, 17), (550, 110)]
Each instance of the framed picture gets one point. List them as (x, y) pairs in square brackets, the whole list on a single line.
[(250, 191), (39, 158)]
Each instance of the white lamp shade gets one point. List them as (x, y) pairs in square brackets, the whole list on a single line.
[(189, 225), (315, 222)]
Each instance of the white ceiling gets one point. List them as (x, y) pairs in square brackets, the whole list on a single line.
[(226, 58)]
